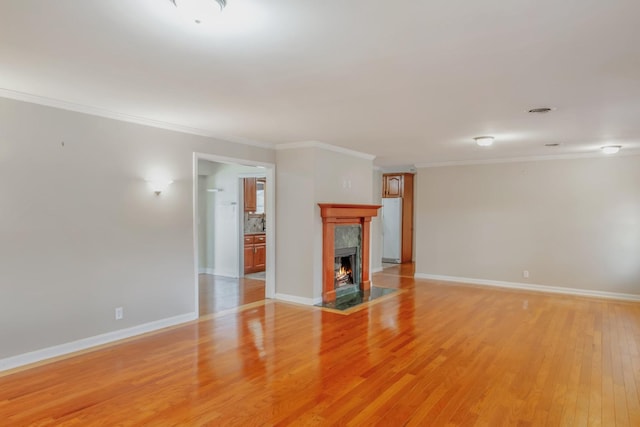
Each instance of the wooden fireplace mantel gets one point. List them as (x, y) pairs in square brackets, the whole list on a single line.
[(336, 214)]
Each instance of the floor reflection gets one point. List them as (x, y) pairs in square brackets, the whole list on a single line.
[(219, 293)]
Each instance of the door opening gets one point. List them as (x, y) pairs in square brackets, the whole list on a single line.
[(224, 222)]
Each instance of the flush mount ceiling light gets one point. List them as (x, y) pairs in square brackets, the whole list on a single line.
[(484, 141), (199, 10), (611, 149)]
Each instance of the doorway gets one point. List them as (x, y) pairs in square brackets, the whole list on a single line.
[(220, 223)]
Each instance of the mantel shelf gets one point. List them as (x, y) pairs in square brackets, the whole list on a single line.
[(336, 210)]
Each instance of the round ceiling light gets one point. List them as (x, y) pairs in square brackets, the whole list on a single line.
[(541, 110), (199, 11), (611, 149), (484, 141)]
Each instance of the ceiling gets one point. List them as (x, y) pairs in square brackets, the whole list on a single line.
[(410, 82)]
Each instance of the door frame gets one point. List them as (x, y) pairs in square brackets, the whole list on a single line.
[(269, 172)]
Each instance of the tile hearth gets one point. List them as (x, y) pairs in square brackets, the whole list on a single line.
[(349, 299)]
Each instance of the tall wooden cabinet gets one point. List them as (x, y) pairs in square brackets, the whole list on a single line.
[(400, 185), (249, 194)]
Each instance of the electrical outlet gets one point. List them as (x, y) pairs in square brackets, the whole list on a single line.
[(119, 313), (525, 274)]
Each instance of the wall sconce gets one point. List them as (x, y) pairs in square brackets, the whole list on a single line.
[(159, 185)]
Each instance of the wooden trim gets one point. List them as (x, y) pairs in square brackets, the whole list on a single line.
[(407, 218), (328, 254), (332, 210)]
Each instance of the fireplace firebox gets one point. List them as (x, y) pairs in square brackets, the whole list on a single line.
[(347, 268)]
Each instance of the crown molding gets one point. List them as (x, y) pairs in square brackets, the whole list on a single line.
[(592, 155), (324, 146), (100, 112), (399, 169)]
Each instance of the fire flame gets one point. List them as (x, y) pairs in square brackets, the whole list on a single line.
[(343, 276)]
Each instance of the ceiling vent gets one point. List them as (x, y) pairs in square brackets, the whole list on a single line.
[(541, 110)]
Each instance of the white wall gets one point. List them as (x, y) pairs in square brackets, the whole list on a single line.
[(306, 177), (81, 232), (570, 223), (295, 204), (376, 223)]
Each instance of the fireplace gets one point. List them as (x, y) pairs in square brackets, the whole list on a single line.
[(345, 243)]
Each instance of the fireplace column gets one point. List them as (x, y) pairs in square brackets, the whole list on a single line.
[(328, 250)]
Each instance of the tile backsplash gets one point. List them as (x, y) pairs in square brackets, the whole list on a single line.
[(254, 224)]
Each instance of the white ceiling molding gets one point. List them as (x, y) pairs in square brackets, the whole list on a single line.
[(95, 111), (399, 169), (591, 155), (324, 146)]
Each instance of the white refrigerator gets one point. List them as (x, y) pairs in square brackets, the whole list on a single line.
[(391, 229)]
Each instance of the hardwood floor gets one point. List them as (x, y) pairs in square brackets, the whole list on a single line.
[(436, 354), (219, 293)]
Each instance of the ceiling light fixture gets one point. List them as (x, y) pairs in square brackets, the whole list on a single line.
[(484, 141), (611, 149), (199, 10)]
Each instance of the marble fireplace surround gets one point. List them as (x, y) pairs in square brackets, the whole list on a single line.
[(333, 215)]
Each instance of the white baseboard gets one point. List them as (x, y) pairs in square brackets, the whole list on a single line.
[(213, 272), (297, 299), (376, 269), (225, 273), (85, 343), (531, 287)]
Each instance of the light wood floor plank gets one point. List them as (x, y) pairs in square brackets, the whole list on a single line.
[(435, 354)]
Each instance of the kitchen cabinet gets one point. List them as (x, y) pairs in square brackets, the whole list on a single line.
[(250, 194), (392, 185), (255, 253)]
